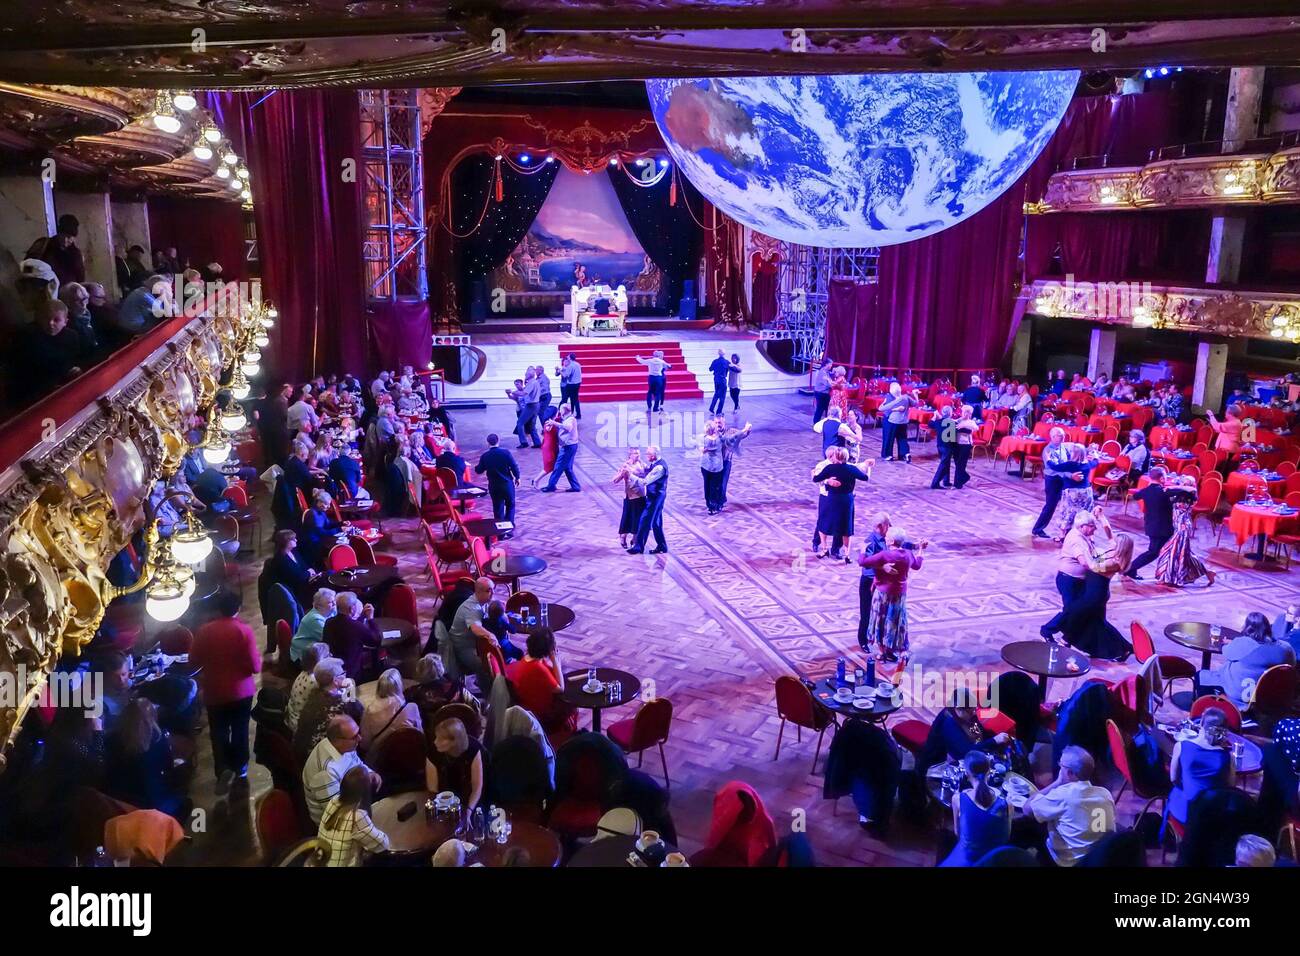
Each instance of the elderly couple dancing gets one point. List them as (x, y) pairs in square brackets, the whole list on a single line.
[(1090, 556)]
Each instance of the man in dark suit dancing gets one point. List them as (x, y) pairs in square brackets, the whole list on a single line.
[(1158, 520), (503, 475), (1053, 480), (655, 483)]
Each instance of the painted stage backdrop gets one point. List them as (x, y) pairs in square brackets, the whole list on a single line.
[(580, 236)]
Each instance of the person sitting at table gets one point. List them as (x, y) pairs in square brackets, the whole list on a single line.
[(981, 819), (303, 683), (1279, 791), (1139, 455), (455, 763), (1077, 812), (388, 711), (324, 702), (346, 833), (1253, 850), (1201, 763), (346, 472), (449, 459), (297, 476), (955, 732), (311, 629), (1022, 408), (1245, 659), (538, 680), (433, 688), (329, 762), (450, 855), (1229, 430), (458, 644), (320, 529), (498, 622), (1058, 384), (864, 763), (138, 766), (286, 568), (353, 637)]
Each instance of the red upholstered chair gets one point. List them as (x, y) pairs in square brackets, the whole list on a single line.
[(340, 558), (796, 703), (236, 495), (278, 825), (284, 664), (1293, 482), (366, 556), (175, 640), (1202, 704), (577, 812), (1172, 667), (648, 727), (1103, 480), (400, 602), (399, 757), (911, 735), (520, 600), (490, 653), (1275, 694), (1111, 448), (442, 585), (1121, 754)]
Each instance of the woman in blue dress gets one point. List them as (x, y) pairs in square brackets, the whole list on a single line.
[(1203, 762), (980, 817)]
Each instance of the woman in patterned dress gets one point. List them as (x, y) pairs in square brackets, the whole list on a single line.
[(1077, 496), (1177, 564), (887, 626), (840, 391)]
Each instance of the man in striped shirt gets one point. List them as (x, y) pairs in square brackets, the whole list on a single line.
[(329, 760)]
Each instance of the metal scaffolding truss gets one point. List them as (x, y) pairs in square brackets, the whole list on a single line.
[(392, 176), (803, 290)]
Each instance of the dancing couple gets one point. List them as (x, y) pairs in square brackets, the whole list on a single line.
[(645, 484), (1090, 556), (837, 478)]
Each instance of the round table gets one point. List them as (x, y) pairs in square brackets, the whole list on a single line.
[(1252, 756), (406, 631), (1175, 462), (466, 492), (558, 616), (360, 580), (483, 528), (610, 851), (575, 695), (513, 567), (1234, 488), (1174, 438), (881, 707), (418, 834), (1046, 660), (1246, 521), (1023, 445), (1196, 635)]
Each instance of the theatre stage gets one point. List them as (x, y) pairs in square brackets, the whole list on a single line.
[(739, 601)]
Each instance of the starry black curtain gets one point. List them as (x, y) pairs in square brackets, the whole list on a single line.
[(473, 182), (667, 231)]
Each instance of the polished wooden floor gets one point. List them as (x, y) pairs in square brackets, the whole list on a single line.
[(740, 600)]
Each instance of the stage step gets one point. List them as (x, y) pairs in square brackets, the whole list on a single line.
[(611, 373)]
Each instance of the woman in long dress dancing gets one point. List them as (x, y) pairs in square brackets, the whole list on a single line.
[(887, 626), (1177, 564), (1077, 495), (1084, 625)]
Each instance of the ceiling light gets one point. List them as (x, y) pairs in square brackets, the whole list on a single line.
[(211, 134), (223, 172), (164, 117), (184, 100)]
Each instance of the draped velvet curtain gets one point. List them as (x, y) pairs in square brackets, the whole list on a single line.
[(202, 231), (309, 223), (663, 224), (946, 301), (497, 225)]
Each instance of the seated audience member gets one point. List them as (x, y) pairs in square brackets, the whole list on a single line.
[(1279, 792), (325, 701), (60, 250), (1138, 453), (81, 323), (138, 762), (981, 819), (286, 568), (320, 529), (311, 629), (388, 711), (298, 476), (47, 354), (455, 763), (329, 762), (496, 621), (226, 653), (35, 285), (1245, 659), (451, 854), (353, 637), (538, 679), (438, 414), (346, 471), (304, 683), (1202, 763), (1254, 850), (346, 830), (117, 687), (433, 688), (1077, 812), (302, 417), (955, 732), (145, 307), (461, 651)]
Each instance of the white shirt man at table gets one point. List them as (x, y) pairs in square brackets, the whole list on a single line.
[(1077, 813), (329, 760)]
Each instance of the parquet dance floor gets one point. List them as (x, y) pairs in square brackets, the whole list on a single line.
[(741, 600)]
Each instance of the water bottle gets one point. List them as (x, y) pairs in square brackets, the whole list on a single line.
[(546, 615), (591, 675), (871, 670), (100, 859), (839, 672)]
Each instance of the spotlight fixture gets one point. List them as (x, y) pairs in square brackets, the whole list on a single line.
[(550, 159), (525, 159), (211, 133), (663, 163), (164, 116), (223, 172), (613, 160), (184, 100), (202, 151), (499, 157), (242, 172)]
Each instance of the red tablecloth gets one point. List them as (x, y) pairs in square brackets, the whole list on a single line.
[(1021, 445), (1173, 463), (1246, 522), (1161, 436), (1266, 415), (1234, 489)]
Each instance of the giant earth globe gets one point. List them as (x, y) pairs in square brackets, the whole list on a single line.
[(850, 161)]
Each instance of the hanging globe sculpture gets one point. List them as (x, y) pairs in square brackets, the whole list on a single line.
[(869, 160)]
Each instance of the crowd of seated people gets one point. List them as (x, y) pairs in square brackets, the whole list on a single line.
[(55, 322)]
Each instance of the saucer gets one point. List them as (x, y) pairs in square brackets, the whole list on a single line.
[(595, 688), (863, 703)]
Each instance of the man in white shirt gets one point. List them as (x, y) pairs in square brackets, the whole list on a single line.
[(656, 380), (1077, 812), (333, 757), (300, 412), (566, 427)]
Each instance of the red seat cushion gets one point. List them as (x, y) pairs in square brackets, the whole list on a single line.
[(911, 734), (575, 817), (621, 732), (1172, 666), (386, 560)]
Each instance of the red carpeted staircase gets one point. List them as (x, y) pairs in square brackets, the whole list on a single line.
[(611, 373)]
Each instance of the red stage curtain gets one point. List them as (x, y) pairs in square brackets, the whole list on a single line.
[(202, 230), (402, 333), (946, 301), (309, 230)]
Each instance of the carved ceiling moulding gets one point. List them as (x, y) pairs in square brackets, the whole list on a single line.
[(377, 43), (69, 507), (1174, 183)]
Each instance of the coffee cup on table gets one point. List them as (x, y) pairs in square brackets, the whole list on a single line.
[(675, 859)]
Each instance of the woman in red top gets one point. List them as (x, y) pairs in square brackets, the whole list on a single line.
[(550, 449), (1230, 431), (538, 679), (225, 651), (887, 625)]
